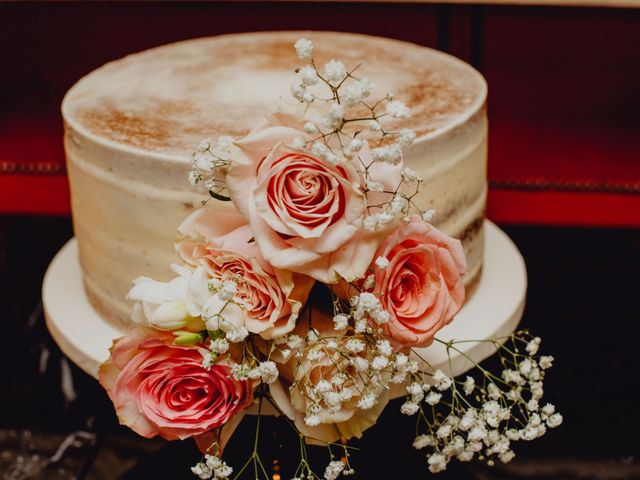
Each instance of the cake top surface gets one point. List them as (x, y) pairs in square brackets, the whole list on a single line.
[(167, 99)]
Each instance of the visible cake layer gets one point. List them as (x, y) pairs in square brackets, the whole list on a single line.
[(131, 127)]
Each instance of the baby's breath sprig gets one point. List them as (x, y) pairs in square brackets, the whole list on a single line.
[(209, 165), (350, 125), (467, 419)]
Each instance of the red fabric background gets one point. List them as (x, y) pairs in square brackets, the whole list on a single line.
[(563, 105)]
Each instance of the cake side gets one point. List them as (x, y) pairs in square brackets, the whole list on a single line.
[(128, 160)]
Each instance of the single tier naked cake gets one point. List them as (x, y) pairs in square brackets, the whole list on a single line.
[(131, 128), (258, 235)]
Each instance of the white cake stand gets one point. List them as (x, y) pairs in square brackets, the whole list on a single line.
[(494, 309)]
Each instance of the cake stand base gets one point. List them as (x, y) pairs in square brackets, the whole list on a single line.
[(494, 309)]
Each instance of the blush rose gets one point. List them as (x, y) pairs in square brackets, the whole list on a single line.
[(305, 213), (421, 287), (223, 245), (159, 388)]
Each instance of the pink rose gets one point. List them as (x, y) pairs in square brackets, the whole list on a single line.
[(272, 298), (421, 287), (159, 388), (305, 213)]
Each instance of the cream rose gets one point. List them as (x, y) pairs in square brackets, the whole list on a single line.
[(419, 282), (306, 214), (270, 298)]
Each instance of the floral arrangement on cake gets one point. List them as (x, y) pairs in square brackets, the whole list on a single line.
[(313, 296)]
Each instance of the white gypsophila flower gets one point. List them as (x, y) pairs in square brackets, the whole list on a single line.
[(336, 116), (374, 125), (406, 137), (469, 385), (391, 154), (299, 143), (507, 456), (428, 215), (423, 441), (465, 456), (315, 355), (353, 94), (533, 346), (312, 420), (354, 345), (323, 386), (414, 388), (254, 373), (398, 204), (409, 408), (228, 290), (433, 398), (313, 336), (224, 144), (413, 366), (204, 145), (437, 462), (294, 341), (298, 91), (382, 262), (477, 433), (374, 186), (194, 177), (554, 420), (493, 391), (398, 109), (532, 405), (268, 371), (546, 362), (308, 75), (367, 401), (213, 461), (384, 347), (202, 471), (442, 381), (360, 326), (304, 48), (379, 362), (369, 282), (308, 97), (333, 470), (548, 410), (237, 335), (525, 367), (240, 371), (286, 353), (331, 345), (208, 361), (361, 364), (310, 128), (444, 431), (340, 322), (338, 379), (219, 345), (335, 72), (401, 361), (355, 145), (223, 472), (409, 175)]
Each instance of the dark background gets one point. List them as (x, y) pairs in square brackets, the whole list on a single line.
[(565, 185)]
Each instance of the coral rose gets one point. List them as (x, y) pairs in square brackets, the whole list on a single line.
[(159, 388), (221, 243), (305, 213), (421, 287)]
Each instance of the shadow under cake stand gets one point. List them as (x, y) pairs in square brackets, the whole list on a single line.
[(494, 310)]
